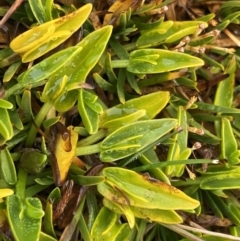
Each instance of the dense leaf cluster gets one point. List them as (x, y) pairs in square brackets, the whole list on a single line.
[(119, 120)]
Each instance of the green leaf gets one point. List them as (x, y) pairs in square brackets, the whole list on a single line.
[(89, 117), (33, 161), (9, 73), (179, 146), (166, 61), (48, 219), (154, 215), (221, 181), (229, 146), (144, 108), (223, 207), (89, 97), (121, 209), (106, 227), (120, 85), (41, 9), (157, 215), (155, 35), (96, 107), (150, 157), (112, 78), (50, 122), (175, 31), (8, 170), (219, 169), (211, 201), (26, 104), (6, 128), (224, 92), (89, 56), (22, 226), (58, 64), (81, 64), (53, 89), (32, 208), (114, 123), (45, 237), (217, 108), (48, 66), (133, 137), (133, 82), (87, 180), (235, 210), (102, 83), (5, 104), (141, 191)]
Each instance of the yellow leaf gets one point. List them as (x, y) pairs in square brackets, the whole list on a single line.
[(41, 39), (4, 192), (64, 151)]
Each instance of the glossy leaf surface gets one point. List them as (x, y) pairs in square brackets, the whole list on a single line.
[(133, 137), (152, 61), (6, 128), (81, 64), (154, 215), (221, 181), (39, 40), (140, 191), (229, 144), (174, 31), (143, 108), (88, 112), (41, 10), (48, 66), (178, 150), (22, 225), (7, 166), (108, 228), (5, 104)]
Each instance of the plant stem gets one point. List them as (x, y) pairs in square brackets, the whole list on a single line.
[(87, 150), (93, 138), (120, 63), (21, 183), (13, 90), (227, 236), (38, 121), (130, 46), (9, 60), (188, 182), (33, 190), (10, 11), (18, 88), (171, 163), (182, 232)]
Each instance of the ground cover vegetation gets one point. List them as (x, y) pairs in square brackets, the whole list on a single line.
[(119, 120)]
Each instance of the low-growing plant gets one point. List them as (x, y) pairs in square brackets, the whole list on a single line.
[(119, 120)]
